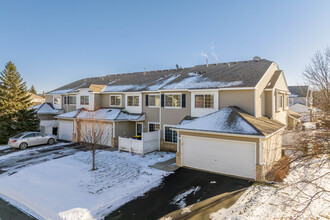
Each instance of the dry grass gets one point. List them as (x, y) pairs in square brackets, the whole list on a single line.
[(280, 170)]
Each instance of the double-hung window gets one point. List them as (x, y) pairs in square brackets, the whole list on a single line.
[(115, 100), (204, 101), (72, 99), (153, 127), (84, 100), (133, 100), (173, 100), (154, 100), (170, 135)]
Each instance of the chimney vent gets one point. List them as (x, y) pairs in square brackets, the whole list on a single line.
[(256, 58)]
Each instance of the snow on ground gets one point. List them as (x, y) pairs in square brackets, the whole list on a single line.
[(28, 150), (282, 201), (66, 188), (4, 147), (180, 200)]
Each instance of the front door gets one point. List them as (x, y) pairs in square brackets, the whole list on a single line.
[(139, 129)]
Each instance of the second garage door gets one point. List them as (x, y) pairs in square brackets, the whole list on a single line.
[(221, 156), (65, 129)]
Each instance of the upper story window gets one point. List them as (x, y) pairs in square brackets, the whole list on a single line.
[(280, 101), (153, 100), (84, 100), (57, 100), (133, 100), (115, 100), (173, 100), (72, 99), (204, 101)]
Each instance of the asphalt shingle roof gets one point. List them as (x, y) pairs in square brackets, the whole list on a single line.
[(299, 91), (233, 74)]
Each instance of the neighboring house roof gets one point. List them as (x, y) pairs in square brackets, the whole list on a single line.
[(110, 114), (298, 91), (233, 120), (299, 108), (222, 75), (294, 114), (187, 119), (274, 79), (34, 96), (46, 109)]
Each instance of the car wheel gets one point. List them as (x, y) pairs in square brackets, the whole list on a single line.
[(51, 141), (23, 145)]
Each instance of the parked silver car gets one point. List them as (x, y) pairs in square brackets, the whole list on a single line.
[(27, 139)]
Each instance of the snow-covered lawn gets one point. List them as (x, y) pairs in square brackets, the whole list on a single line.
[(4, 147), (283, 200), (67, 188)]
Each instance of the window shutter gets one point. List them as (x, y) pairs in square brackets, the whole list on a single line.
[(162, 100), (147, 100), (183, 100), (65, 100)]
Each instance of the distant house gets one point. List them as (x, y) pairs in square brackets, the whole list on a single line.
[(36, 100), (300, 94)]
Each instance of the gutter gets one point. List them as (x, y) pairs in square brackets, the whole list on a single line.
[(220, 133)]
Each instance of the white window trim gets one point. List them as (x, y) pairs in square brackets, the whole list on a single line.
[(278, 94), (166, 125), (121, 100), (155, 106), (171, 107), (153, 123), (69, 100), (133, 101), (80, 100), (203, 94)]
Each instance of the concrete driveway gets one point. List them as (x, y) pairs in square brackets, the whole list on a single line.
[(178, 190)]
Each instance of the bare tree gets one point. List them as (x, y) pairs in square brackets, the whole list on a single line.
[(93, 132), (317, 74)]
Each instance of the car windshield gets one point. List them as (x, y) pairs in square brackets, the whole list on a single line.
[(18, 135)]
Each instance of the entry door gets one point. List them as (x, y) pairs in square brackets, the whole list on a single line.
[(139, 129), (235, 158)]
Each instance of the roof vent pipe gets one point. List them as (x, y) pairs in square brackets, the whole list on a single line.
[(256, 58)]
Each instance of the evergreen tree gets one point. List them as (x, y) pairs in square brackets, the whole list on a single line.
[(33, 90), (15, 115)]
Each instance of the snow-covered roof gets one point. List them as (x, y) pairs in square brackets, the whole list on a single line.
[(224, 121), (232, 120), (110, 114), (46, 108), (299, 108), (221, 75)]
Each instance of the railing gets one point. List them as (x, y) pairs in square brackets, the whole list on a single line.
[(149, 142)]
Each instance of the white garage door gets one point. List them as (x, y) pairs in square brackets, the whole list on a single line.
[(65, 129), (220, 156)]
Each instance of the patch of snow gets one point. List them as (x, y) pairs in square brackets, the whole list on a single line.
[(284, 200), (69, 114), (67, 188), (122, 88), (76, 214), (162, 83), (218, 122), (62, 91), (180, 200), (198, 82), (193, 74), (4, 147), (213, 182), (310, 125), (47, 109), (186, 209), (299, 108)]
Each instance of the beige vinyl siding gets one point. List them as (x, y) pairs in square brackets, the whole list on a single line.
[(106, 100), (268, 104), (243, 99), (260, 91), (97, 101), (272, 148), (152, 113), (49, 98), (282, 114)]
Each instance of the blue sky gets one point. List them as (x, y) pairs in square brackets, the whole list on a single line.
[(53, 43)]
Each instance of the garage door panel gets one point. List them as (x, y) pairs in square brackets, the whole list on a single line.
[(227, 157), (65, 130)]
